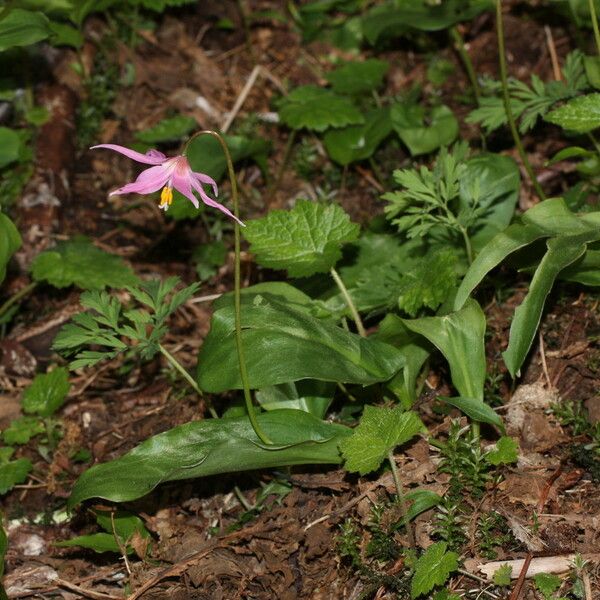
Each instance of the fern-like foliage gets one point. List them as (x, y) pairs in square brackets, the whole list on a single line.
[(105, 325), (529, 102)]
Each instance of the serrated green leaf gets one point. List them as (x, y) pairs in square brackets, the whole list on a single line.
[(505, 453), (408, 120), (581, 114), (172, 129), (282, 343), (47, 393), (20, 27), (10, 242), (358, 77), (547, 583), (477, 409), (78, 262), (432, 569), (22, 429), (13, 473), (358, 142), (209, 447), (318, 109), (379, 431), (304, 240), (460, 338), (502, 575)]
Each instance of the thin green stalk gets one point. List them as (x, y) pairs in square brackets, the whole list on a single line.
[(468, 246), (286, 157), (17, 296), (237, 292), (359, 324), (459, 43), (401, 499), (507, 107), (179, 367), (594, 18)]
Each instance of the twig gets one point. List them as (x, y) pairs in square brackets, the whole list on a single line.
[(85, 592), (553, 54), (543, 359), (241, 98)]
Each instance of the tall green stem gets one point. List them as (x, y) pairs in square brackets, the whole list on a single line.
[(344, 290), (468, 247), (237, 282), (459, 43), (16, 297), (401, 499), (179, 367), (594, 18), (507, 107)]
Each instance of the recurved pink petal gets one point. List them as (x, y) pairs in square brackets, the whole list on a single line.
[(183, 183), (148, 181), (210, 202), (203, 178), (153, 157)]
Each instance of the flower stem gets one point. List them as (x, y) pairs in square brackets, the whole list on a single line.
[(17, 296), (237, 292), (401, 499), (179, 367), (286, 157), (459, 43), (468, 246), (359, 324), (594, 18), (507, 107)]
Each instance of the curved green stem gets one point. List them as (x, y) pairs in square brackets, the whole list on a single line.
[(594, 18), (344, 290), (16, 297), (401, 499), (468, 246), (507, 107), (459, 43), (237, 292), (179, 367)]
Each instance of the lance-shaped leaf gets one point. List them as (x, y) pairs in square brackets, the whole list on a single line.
[(562, 252), (312, 107), (304, 240), (379, 431), (581, 114), (10, 242), (460, 338), (282, 343), (209, 447)]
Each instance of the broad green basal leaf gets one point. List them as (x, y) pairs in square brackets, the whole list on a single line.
[(10, 242), (460, 338), (168, 130), (581, 114), (358, 142), (20, 27), (304, 240), (315, 108), (309, 395), (409, 123), (477, 409), (358, 77), (562, 252), (78, 262), (285, 343), (379, 431), (210, 447)]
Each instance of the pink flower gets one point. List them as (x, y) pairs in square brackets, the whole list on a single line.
[(168, 173)]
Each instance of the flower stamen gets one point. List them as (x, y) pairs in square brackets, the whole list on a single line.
[(166, 198)]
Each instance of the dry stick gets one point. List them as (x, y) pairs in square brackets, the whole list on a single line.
[(543, 358), (507, 107), (84, 592), (242, 98), (553, 54)]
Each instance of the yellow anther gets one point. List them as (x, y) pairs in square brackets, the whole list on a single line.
[(166, 197)]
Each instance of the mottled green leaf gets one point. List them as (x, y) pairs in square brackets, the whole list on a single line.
[(47, 393), (581, 114)]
